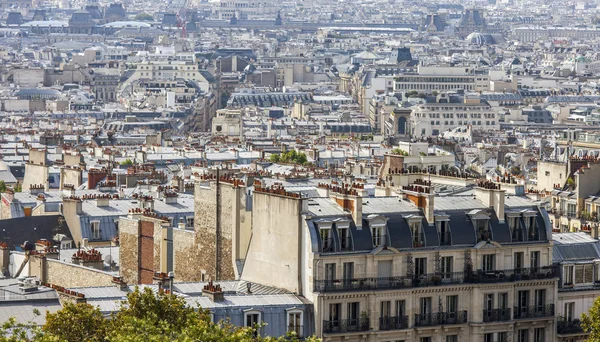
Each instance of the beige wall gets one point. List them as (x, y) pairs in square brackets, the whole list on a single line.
[(274, 254), (550, 173)]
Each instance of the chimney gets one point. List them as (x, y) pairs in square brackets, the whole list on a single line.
[(102, 201), (492, 196), (213, 292), (353, 204)]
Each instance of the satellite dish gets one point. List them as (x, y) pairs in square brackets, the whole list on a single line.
[(108, 259)]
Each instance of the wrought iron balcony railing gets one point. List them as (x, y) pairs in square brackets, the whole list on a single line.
[(393, 323), (497, 315), (565, 327), (534, 311), (440, 318), (346, 325)]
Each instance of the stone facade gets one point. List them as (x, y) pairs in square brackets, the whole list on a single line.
[(67, 275), (129, 250)]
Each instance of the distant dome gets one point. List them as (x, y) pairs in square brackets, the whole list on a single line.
[(476, 38)]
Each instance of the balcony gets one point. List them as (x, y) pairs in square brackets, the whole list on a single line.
[(346, 325), (440, 318), (565, 327), (503, 276), (496, 315), (440, 278), (534, 311), (393, 323), (436, 279), (362, 284)]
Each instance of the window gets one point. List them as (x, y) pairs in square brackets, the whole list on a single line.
[(568, 275), (348, 272), (190, 222), (519, 256), (523, 335), (446, 267), (344, 238), (534, 260), (353, 312), (584, 274), (569, 311), (335, 311), (420, 266), (489, 301), (415, 229), (295, 322), (95, 230), (515, 230), (400, 308), (489, 337), (452, 304), (530, 225), (523, 300), (252, 319), (489, 263), (444, 231), (326, 240), (425, 305), (540, 300), (483, 232), (539, 335), (330, 271), (425, 339), (503, 301), (378, 235), (452, 338), (502, 337), (385, 309)]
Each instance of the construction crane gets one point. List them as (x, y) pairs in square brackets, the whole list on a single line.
[(181, 16)]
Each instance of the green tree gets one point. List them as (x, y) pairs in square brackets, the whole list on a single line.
[(127, 162), (2, 186), (291, 157), (274, 158), (18, 188), (399, 152), (144, 17), (144, 316), (75, 322), (591, 321)]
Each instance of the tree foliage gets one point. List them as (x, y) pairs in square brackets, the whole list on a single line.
[(291, 157), (144, 17), (399, 152), (143, 317), (591, 321), (127, 162), (2, 186)]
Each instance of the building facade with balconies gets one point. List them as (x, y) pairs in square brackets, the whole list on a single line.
[(411, 266)]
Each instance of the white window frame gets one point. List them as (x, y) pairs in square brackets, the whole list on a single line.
[(294, 311), (378, 236), (96, 235), (253, 312)]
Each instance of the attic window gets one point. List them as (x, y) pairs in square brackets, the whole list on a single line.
[(417, 233), (443, 227), (481, 222), (531, 226)]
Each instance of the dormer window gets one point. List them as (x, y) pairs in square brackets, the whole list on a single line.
[(443, 228), (417, 233), (378, 225), (531, 227), (378, 234), (481, 222), (326, 239), (344, 235), (512, 219)]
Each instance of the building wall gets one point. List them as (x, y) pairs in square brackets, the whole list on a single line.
[(66, 274), (70, 176), (275, 242), (129, 249), (550, 173), (212, 215)]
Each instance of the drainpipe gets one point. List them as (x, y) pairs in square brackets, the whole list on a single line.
[(217, 229)]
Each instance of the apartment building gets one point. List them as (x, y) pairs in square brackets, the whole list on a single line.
[(410, 266), (578, 255), (244, 9), (434, 118), (430, 79)]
